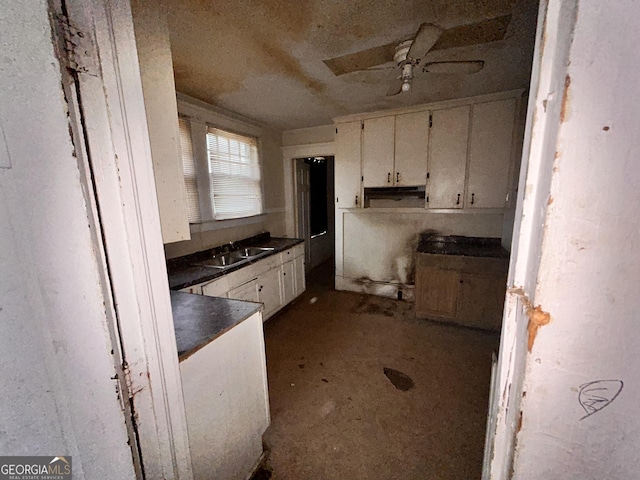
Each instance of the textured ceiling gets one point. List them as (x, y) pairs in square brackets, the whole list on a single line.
[(265, 58)]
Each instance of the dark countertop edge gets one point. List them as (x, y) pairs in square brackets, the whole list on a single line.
[(281, 244), (448, 253), (456, 245), (216, 332)]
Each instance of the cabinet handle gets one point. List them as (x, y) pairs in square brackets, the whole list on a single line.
[(397, 177), (389, 177), (472, 199), (356, 199), (260, 289), (458, 201)]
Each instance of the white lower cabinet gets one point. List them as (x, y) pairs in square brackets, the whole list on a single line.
[(274, 281), (298, 267), (288, 281), (226, 402), (247, 291), (270, 291)]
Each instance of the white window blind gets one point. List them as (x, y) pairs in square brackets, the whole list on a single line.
[(189, 168), (234, 175)]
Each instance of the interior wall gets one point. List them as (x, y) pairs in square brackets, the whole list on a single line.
[(303, 136), (381, 246), (510, 211), (588, 282), (56, 366), (273, 182)]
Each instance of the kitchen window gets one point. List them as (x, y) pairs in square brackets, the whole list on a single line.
[(222, 175), (234, 175)]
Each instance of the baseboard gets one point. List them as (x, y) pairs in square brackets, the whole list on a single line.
[(381, 289)]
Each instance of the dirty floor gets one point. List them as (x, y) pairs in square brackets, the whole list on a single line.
[(361, 389)]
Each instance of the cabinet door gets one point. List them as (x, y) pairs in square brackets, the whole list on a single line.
[(288, 282), (482, 300), (269, 291), (298, 265), (411, 149), (490, 153), (448, 157), (247, 292), (436, 292), (347, 165), (378, 151)]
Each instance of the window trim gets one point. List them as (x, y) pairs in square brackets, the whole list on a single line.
[(202, 116)]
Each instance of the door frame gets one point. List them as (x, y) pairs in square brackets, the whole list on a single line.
[(108, 119), (289, 156), (302, 207), (556, 20)]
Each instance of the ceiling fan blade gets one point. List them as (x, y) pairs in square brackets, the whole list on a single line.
[(361, 60), (471, 66), (425, 39), (395, 88), (486, 31)]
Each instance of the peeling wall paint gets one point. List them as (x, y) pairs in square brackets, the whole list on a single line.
[(579, 414)]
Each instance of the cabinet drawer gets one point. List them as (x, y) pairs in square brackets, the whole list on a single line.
[(216, 288), (292, 253)]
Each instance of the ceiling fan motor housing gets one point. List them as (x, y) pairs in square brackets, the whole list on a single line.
[(401, 52)]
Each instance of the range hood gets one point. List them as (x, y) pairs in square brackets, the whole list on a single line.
[(395, 197)]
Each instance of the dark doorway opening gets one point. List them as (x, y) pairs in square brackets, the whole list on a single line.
[(315, 209)]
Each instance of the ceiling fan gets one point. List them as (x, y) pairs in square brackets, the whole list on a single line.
[(409, 55)]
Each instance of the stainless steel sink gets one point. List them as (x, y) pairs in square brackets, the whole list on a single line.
[(252, 252), (226, 260), (222, 261)]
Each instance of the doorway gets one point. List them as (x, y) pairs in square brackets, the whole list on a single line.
[(315, 207)]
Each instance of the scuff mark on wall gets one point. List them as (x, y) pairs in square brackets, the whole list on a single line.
[(564, 110)]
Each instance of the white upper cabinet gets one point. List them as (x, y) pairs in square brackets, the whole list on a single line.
[(411, 148), (448, 157), (347, 165), (462, 150), (378, 147), (158, 88), (490, 153), (395, 149)]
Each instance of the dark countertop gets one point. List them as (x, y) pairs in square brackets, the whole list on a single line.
[(462, 246), (198, 319), (183, 274)]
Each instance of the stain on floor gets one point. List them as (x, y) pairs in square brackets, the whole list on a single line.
[(342, 419), (399, 380)]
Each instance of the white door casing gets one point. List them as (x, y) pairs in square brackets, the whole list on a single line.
[(109, 97), (556, 20)]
